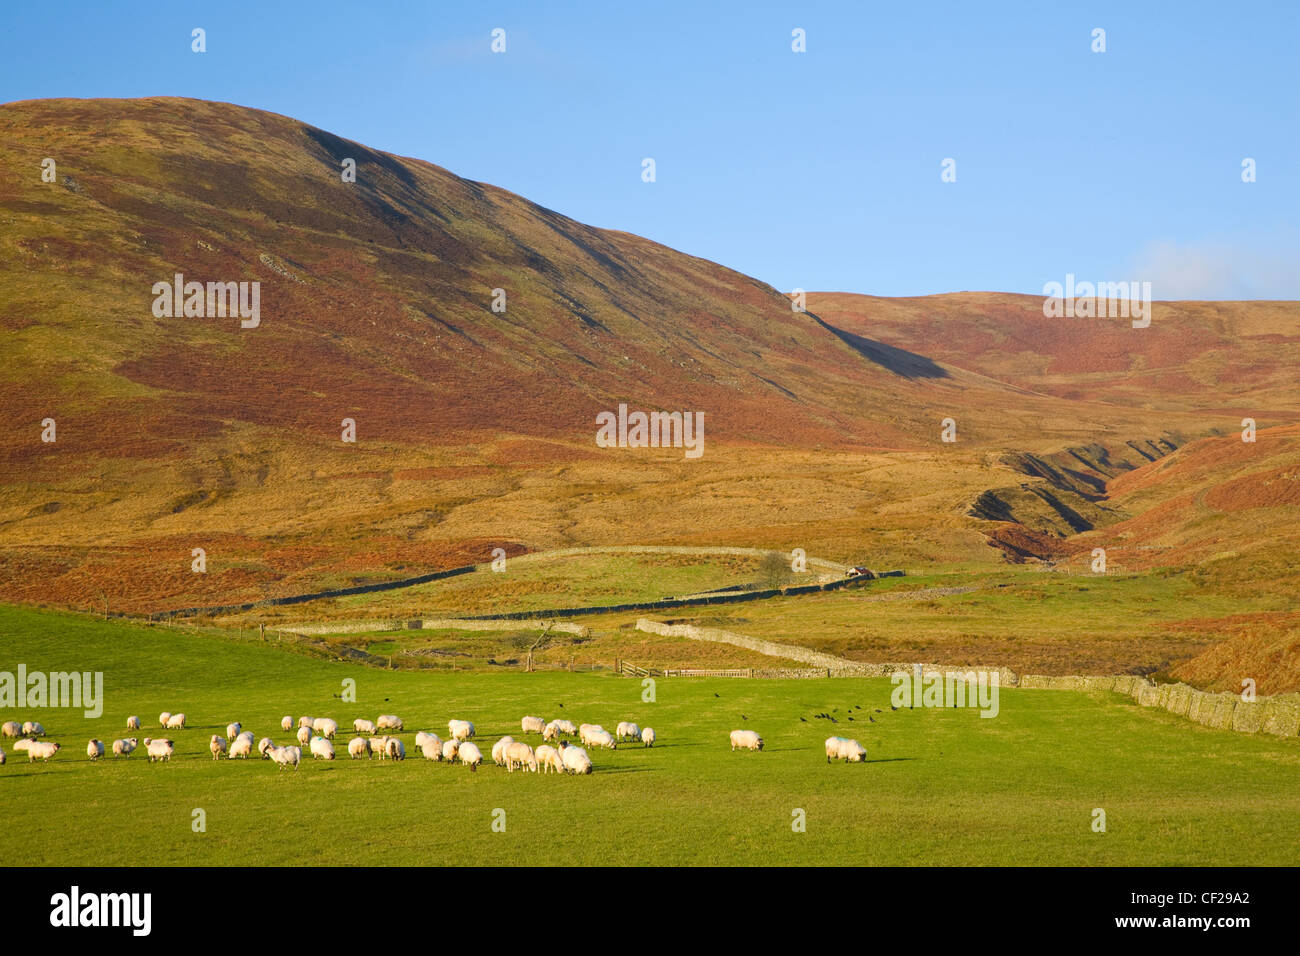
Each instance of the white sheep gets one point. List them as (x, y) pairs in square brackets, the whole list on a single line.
[(841, 748), (627, 730), (359, 747), (95, 749), (322, 748), (218, 746), (520, 755), (449, 749), (548, 758), (587, 731), (232, 730), (648, 736), (123, 748), (42, 750), (11, 728), (470, 755), (32, 729), (176, 722), (263, 746), (396, 749), (746, 740), (363, 726), (565, 727), (379, 745), (286, 723), (165, 716), (499, 750), (22, 745), (2, 757), (159, 749), (389, 722), (241, 746), (601, 738), (422, 736), (432, 749), (286, 756), (326, 727), (133, 722), (533, 725), (551, 731), (304, 736), (575, 759), (306, 722), (460, 729)]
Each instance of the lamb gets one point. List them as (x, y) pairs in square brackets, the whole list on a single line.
[(133, 722), (159, 749), (499, 750), (41, 749), (363, 726), (95, 749), (460, 729), (11, 728), (648, 736), (32, 729), (746, 740), (286, 723), (841, 748), (123, 748), (389, 722), (176, 722), (325, 727), (575, 759), (449, 749), (232, 730), (396, 749), (304, 736), (286, 756), (470, 755), (627, 730), (533, 725), (520, 755), (306, 722), (322, 748), (548, 758), (379, 745), (218, 746), (241, 746)]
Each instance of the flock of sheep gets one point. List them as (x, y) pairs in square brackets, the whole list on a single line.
[(317, 734)]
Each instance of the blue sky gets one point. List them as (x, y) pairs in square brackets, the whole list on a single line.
[(819, 170)]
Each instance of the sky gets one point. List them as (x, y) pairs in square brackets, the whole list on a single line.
[(819, 170)]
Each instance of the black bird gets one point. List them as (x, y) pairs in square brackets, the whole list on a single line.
[(561, 706), (803, 719), (877, 710), (717, 695), (743, 717), (892, 707), (850, 718), (872, 719), (857, 706)]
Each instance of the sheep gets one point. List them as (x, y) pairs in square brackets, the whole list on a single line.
[(520, 755), (601, 738), (176, 722), (627, 730), (41, 749), (286, 723), (379, 745), (32, 729), (159, 749), (359, 747), (424, 736), (263, 746), (286, 757), (123, 748), (565, 727), (11, 728), (133, 722), (218, 746), (548, 758), (499, 750), (232, 730), (389, 722), (165, 716), (363, 726), (2, 757), (587, 731), (95, 749), (746, 740), (306, 722), (432, 749), (470, 755), (23, 744), (241, 746), (326, 727), (449, 749), (648, 736), (460, 729), (841, 748), (575, 759), (396, 749), (322, 748), (533, 725), (551, 731), (304, 736)]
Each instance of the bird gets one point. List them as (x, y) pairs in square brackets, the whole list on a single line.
[(561, 706), (850, 718), (716, 694), (803, 719), (892, 707), (877, 710), (872, 719), (743, 717)]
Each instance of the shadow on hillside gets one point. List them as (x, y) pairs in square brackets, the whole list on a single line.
[(899, 361), (891, 759)]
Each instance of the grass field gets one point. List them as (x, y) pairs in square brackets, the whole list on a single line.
[(940, 786)]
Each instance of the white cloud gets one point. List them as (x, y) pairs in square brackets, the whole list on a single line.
[(1220, 270)]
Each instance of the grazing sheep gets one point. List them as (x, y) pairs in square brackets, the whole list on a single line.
[(11, 728), (587, 731), (286, 723), (218, 746), (32, 729), (575, 759), (306, 722), (232, 730), (601, 738), (359, 747), (521, 755), (325, 727), (123, 748), (23, 744), (548, 758), (396, 749), (470, 756), (746, 740), (159, 749), (551, 731), (460, 729), (389, 722), (648, 736), (2, 757), (263, 746), (627, 730), (41, 749), (379, 745), (565, 727), (176, 722), (322, 748), (133, 722), (95, 749), (286, 757), (533, 725), (363, 726), (423, 735), (165, 716), (432, 749), (241, 746), (841, 748), (304, 736), (449, 749), (499, 750)]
